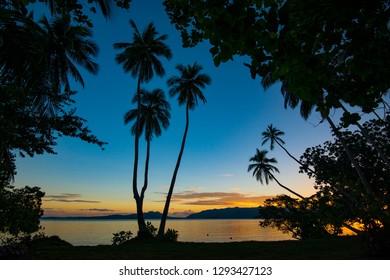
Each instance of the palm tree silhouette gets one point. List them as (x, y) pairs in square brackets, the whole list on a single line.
[(140, 58), (273, 135), (67, 45), (154, 117), (305, 108), (40, 56), (188, 88), (36, 60), (262, 169)]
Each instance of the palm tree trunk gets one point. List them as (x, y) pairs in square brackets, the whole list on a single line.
[(372, 142), (300, 163), (350, 156), (284, 187), (161, 229), (146, 170), (139, 203)]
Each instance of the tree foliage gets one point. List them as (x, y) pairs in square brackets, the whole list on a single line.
[(78, 10), (20, 210), (341, 199), (323, 52), (312, 218), (36, 59), (335, 174)]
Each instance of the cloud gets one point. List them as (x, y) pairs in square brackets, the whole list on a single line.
[(97, 210), (218, 199), (227, 175), (68, 197), (210, 202), (64, 196)]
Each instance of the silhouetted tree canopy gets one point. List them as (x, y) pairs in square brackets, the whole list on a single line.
[(37, 58), (335, 173), (322, 51), (78, 10), (308, 219), (20, 210), (341, 198)]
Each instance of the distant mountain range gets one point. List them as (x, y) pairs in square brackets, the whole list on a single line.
[(226, 213)]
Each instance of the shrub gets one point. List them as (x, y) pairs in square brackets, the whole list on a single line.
[(121, 237), (171, 235), (152, 229)]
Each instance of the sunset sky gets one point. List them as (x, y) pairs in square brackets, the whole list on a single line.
[(223, 134)]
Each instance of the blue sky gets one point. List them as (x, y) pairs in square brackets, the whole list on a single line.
[(224, 133)]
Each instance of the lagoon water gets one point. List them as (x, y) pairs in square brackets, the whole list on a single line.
[(100, 232)]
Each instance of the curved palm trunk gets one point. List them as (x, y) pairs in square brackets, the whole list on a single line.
[(300, 163), (142, 230), (350, 156), (146, 170), (284, 187), (372, 142), (161, 229)]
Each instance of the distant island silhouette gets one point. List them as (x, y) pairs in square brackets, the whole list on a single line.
[(225, 213)]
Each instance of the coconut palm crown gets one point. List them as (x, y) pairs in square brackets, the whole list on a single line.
[(188, 85), (140, 56), (155, 113), (272, 134), (262, 166)]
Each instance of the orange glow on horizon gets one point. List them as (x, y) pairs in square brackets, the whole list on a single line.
[(179, 207)]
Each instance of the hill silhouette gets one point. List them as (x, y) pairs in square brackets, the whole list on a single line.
[(225, 213)]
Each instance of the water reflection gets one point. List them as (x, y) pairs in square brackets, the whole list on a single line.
[(97, 232)]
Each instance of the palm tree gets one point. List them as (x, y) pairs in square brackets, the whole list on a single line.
[(65, 46), (36, 59), (33, 53), (290, 100), (262, 169), (154, 117), (188, 88), (140, 58), (273, 135)]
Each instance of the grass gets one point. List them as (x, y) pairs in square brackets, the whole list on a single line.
[(326, 249)]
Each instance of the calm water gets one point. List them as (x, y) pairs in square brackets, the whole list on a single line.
[(80, 232)]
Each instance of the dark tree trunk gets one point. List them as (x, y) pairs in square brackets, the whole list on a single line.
[(284, 187), (142, 230), (144, 188), (350, 156), (161, 229), (371, 141), (300, 163)]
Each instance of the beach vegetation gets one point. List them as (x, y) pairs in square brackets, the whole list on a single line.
[(121, 236)]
